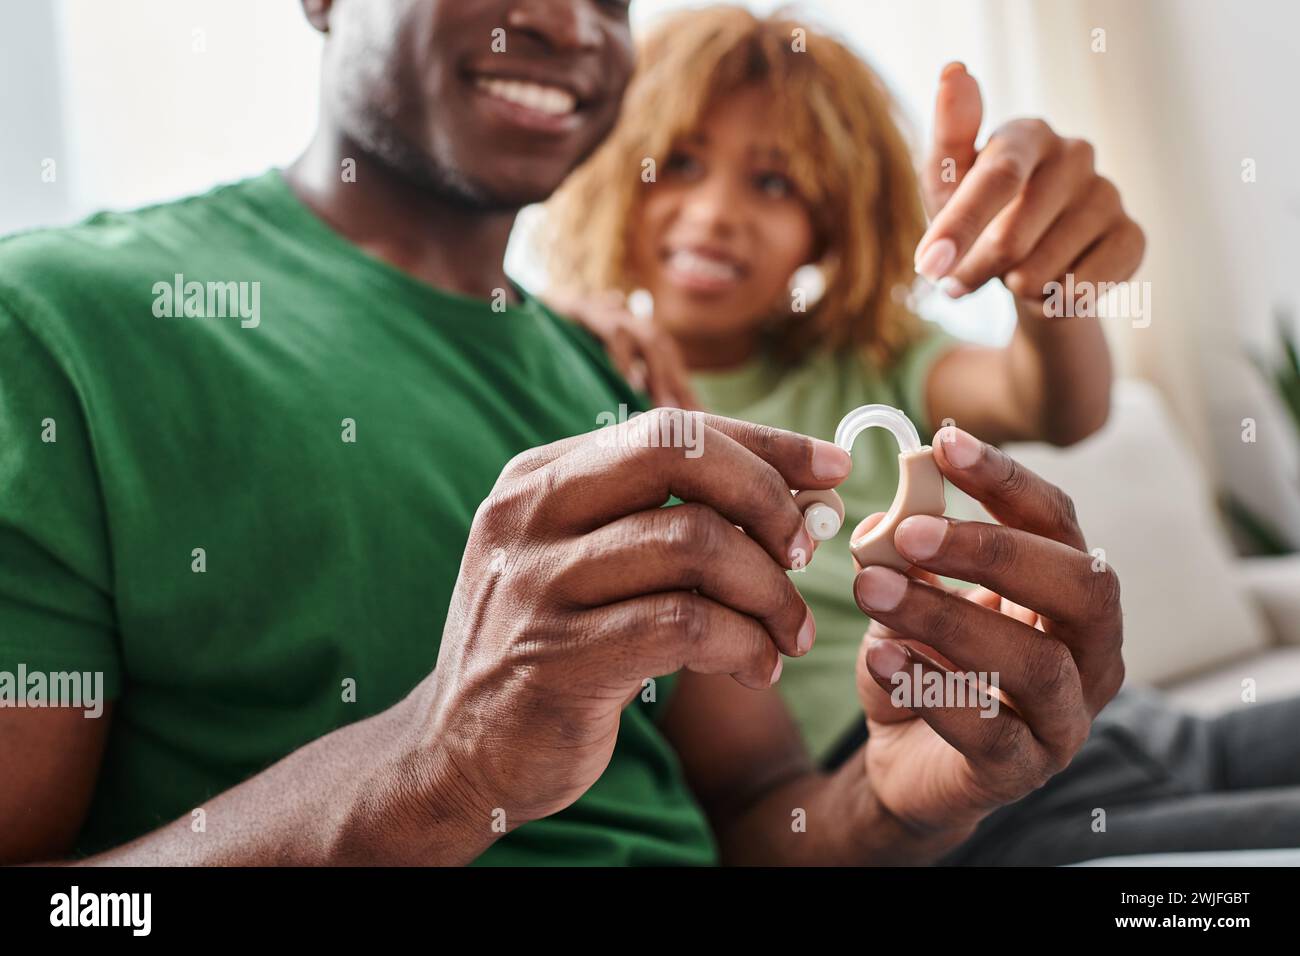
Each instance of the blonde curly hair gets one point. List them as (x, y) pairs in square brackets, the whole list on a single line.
[(848, 159)]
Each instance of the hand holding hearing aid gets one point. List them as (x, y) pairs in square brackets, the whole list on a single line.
[(573, 566), (1042, 631)]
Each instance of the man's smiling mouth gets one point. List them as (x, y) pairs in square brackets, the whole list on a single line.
[(540, 98)]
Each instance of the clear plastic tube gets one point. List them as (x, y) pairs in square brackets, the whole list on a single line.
[(878, 416)]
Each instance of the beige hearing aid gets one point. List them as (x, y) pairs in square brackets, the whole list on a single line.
[(920, 488)]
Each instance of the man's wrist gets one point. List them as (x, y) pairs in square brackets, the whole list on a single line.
[(411, 807)]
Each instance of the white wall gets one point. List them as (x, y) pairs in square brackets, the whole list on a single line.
[(31, 126), (168, 97)]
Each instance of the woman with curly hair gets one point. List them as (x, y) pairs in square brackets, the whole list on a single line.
[(752, 148)]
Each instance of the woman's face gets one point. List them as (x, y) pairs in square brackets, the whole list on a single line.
[(720, 233)]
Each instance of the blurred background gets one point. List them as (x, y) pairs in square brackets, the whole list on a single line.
[(1190, 103)]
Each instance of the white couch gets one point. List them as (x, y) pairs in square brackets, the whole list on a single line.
[(1198, 621)]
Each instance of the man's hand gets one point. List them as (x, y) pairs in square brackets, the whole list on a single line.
[(1046, 619), (1027, 208), (577, 586)]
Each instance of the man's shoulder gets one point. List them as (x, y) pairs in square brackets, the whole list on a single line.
[(82, 289), (85, 263)]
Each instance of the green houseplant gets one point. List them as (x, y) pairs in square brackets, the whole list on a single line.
[(1283, 376)]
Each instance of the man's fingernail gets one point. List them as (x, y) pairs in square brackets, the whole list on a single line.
[(776, 671), (920, 536), (830, 461), (807, 634), (885, 658), (880, 589), (937, 259), (961, 449)]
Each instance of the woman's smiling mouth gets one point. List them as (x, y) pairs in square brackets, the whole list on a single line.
[(702, 270)]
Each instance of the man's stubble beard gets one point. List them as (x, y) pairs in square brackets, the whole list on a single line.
[(439, 176), (367, 99)]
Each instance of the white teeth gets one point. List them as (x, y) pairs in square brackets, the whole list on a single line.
[(550, 100), (706, 267)]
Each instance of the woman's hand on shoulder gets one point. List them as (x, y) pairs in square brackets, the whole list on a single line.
[(641, 350)]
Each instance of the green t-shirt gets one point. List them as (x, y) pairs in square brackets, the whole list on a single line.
[(811, 398), (324, 560)]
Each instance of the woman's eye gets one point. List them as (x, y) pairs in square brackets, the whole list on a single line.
[(681, 164), (774, 185)]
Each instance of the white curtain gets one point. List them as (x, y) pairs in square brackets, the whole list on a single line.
[(1189, 98)]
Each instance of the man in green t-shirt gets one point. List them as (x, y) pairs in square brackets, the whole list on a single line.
[(297, 479)]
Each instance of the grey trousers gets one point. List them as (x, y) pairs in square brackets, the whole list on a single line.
[(1154, 779)]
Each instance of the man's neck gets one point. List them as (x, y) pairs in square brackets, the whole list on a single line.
[(439, 242)]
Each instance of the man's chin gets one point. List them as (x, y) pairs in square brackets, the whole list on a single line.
[(469, 186), (514, 184), (488, 191)]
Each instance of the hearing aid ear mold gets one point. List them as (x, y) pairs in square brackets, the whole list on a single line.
[(823, 513)]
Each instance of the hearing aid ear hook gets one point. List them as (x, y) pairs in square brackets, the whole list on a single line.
[(920, 488)]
